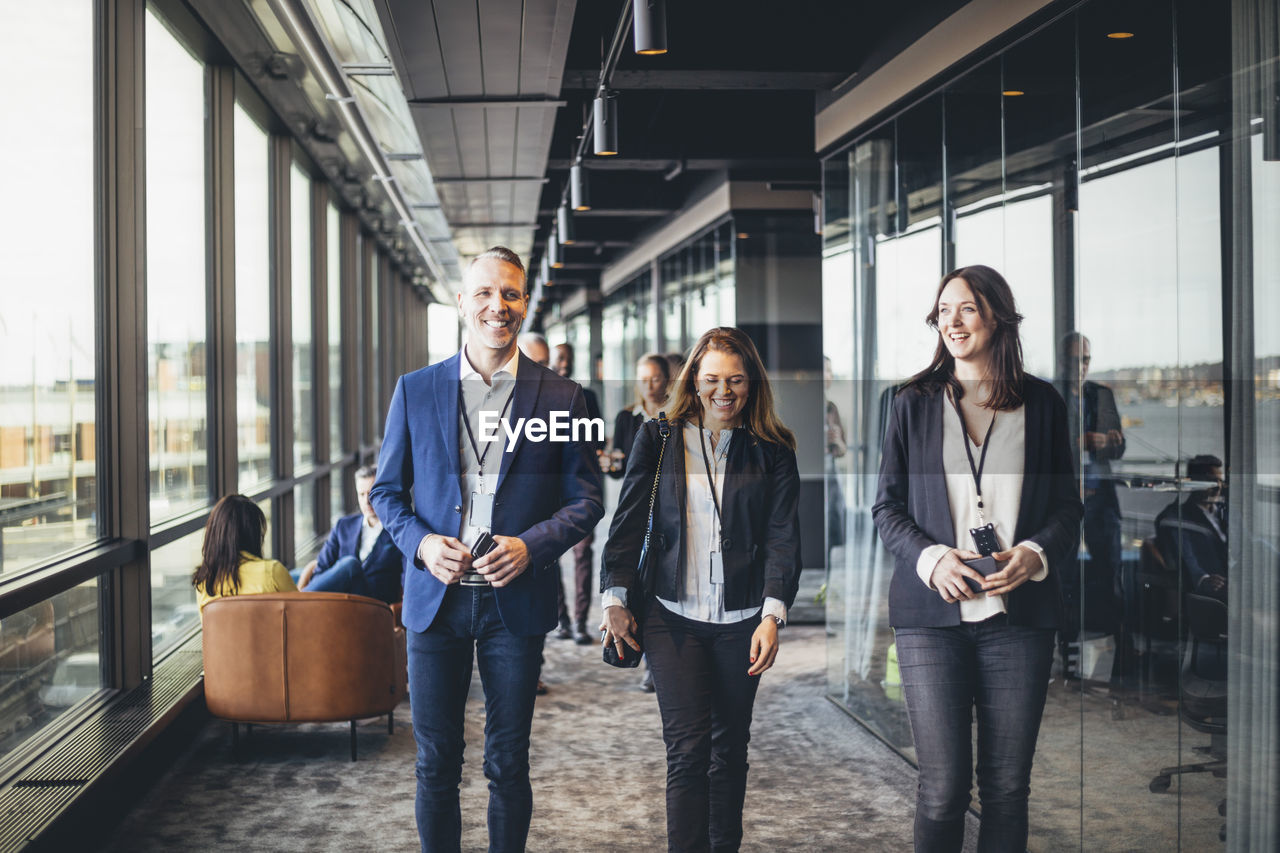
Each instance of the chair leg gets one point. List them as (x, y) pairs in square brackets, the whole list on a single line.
[(391, 722), (353, 740)]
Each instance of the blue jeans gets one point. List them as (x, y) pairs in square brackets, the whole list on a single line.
[(1003, 669), (440, 660), (343, 576)]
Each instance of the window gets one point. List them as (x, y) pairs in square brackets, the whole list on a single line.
[(333, 247), (48, 469), (300, 271), (176, 351), (253, 303)]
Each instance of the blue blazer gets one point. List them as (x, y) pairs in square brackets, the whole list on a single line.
[(383, 567), (548, 494), (912, 511)]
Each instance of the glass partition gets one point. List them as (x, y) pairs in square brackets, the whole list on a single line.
[(1126, 185), (253, 304), (301, 289)]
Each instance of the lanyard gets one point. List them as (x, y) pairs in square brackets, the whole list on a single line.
[(466, 421), (976, 470), (710, 475)]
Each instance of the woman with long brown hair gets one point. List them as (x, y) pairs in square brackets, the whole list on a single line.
[(725, 569), (978, 502), (232, 562)]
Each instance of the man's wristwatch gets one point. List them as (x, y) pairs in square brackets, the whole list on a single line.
[(777, 620)]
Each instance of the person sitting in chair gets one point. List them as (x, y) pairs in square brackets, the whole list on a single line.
[(1194, 533), (359, 556)]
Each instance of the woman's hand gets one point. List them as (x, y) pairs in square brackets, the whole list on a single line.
[(948, 576), (619, 628), (1020, 563), (764, 646)]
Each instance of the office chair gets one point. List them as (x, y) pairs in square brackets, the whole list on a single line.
[(1203, 690)]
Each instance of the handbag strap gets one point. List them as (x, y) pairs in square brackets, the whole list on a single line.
[(664, 430)]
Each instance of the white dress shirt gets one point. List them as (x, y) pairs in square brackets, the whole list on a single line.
[(480, 396), (1001, 497), (700, 599), (368, 538)]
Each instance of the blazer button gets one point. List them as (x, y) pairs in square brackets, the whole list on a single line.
[(726, 544), (457, 508)]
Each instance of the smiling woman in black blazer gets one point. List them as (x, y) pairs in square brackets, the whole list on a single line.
[(727, 566), (976, 458)]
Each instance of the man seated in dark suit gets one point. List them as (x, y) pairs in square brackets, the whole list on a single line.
[(359, 556), (1194, 533)]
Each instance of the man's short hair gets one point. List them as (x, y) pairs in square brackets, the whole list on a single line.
[(1201, 467), (501, 253), (567, 347), (367, 472)]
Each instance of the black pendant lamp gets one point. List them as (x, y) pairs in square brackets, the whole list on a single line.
[(605, 124), (650, 17), (564, 225)]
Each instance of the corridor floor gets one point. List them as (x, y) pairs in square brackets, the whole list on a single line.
[(818, 780)]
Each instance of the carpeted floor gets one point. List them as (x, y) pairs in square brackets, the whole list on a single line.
[(818, 781)]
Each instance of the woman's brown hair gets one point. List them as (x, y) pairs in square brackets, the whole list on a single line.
[(758, 415), (995, 304), (236, 524)]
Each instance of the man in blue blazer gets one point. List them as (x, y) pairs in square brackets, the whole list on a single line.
[(444, 490), (359, 556)]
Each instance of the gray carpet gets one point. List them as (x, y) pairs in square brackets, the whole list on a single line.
[(818, 781)]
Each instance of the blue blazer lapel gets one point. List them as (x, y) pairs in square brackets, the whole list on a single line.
[(446, 405), (524, 402)]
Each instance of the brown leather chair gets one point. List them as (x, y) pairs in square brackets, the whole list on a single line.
[(302, 657)]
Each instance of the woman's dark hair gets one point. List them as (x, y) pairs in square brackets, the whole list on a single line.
[(236, 524), (759, 415), (995, 304)]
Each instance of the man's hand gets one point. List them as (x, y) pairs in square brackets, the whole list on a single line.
[(445, 557), (1020, 563), (1212, 584), (505, 563), (305, 577)]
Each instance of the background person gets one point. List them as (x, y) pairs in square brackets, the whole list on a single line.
[(231, 557), (358, 557), (441, 493), (973, 440), (727, 569), (562, 363), (1193, 533)]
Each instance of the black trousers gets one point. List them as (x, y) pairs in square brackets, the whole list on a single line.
[(705, 697), (582, 584)]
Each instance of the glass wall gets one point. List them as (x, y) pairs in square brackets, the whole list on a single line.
[(176, 364), (253, 300), (301, 289), (1126, 186), (333, 267), (48, 468), (626, 330)]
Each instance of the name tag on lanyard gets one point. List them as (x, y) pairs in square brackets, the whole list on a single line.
[(717, 558), (481, 514)]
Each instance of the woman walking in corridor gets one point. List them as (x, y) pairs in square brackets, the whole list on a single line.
[(724, 570), (978, 502)]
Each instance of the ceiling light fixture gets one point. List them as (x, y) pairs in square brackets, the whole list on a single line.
[(553, 252), (564, 225), (579, 194), (604, 120), (1013, 93), (650, 26), (1119, 35)]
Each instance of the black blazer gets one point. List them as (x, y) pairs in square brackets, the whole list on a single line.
[(760, 527), (911, 510), (625, 428)]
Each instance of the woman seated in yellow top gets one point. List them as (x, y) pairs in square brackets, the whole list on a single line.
[(231, 561)]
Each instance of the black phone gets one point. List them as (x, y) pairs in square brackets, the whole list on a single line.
[(983, 566), (483, 545)]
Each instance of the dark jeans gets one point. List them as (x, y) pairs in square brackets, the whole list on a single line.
[(582, 582), (343, 576), (439, 677), (1002, 669), (705, 697)]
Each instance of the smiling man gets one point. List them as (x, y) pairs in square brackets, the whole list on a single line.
[(482, 525)]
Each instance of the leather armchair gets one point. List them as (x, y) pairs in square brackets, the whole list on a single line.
[(297, 657)]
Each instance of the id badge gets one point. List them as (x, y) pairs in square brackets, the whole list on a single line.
[(481, 511), (717, 567)]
